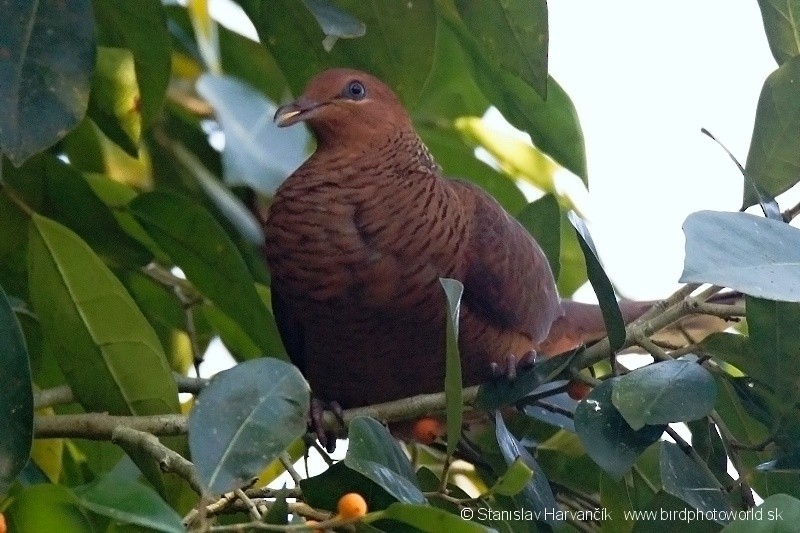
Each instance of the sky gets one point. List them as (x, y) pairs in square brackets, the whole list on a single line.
[(645, 77)]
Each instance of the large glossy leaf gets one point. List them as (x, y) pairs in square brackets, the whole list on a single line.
[(605, 435), (43, 95), (782, 26), (324, 490), (692, 483), (612, 316), (777, 514), (537, 496), (285, 27), (202, 249), (542, 219), (107, 350), (265, 403), (16, 397), (773, 161), (552, 124), (334, 22), (775, 344), (754, 255), (257, 153), (129, 502), (665, 392), (514, 34), (431, 520), (453, 289), (374, 453), (495, 394), (46, 507), (140, 27), (514, 480)]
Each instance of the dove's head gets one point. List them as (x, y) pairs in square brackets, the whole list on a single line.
[(344, 105)]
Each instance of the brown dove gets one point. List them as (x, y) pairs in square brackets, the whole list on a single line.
[(358, 237)]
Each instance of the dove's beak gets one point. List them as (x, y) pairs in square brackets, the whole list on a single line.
[(297, 111)]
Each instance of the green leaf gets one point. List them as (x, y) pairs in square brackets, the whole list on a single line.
[(46, 507), (750, 254), (537, 496), (285, 27), (542, 219), (692, 483), (612, 316), (324, 490), (775, 343), (665, 392), (109, 353), (453, 289), (278, 512), (495, 394), (202, 249), (246, 119), (605, 435), (773, 161), (114, 101), (129, 502), (42, 95), (16, 397), (779, 513), (265, 402), (782, 26), (334, 21), (513, 34), (141, 28), (514, 480), (552, 124), (430, 519), (374, 453)]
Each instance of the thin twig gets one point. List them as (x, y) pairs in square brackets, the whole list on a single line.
[(251, 507), (286, 461), (61, 395)]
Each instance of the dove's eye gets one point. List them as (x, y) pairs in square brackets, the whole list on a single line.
[(355, 90)]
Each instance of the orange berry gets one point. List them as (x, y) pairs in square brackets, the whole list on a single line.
[(578, 390), (352, 505), (3, 526), (426, 430)]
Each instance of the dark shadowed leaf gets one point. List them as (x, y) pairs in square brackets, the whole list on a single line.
[(324, 490), (754, 255), (691, 482), (16, 397), (285, 27), (775, 344), (782, 26), (498, 393), (542, 219), (513, 34), (265, 402), (430, 519), (374, 453), (552, 124), (279, 510), (129, 502), (777, 514), (334, 22), (612, 316), (141, 28), (608, 439), (43, 95), (107, 350), (257, 153), (536, 496), (202, 249), (665, 392), (773, 160), (453, 289)]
